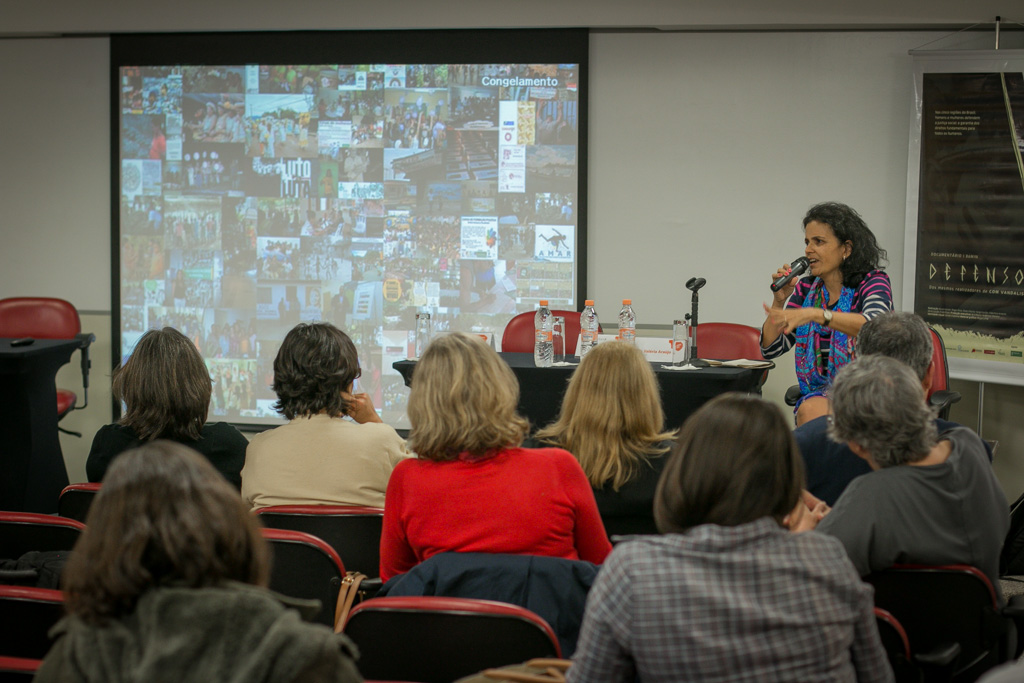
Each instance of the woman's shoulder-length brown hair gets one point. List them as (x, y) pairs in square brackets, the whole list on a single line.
[(735, 461), (164, 516), (165, 387), (463, 399), (611, 416)]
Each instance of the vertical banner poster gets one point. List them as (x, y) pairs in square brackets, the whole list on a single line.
[(964, 269)]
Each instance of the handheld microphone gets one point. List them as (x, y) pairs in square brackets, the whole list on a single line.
[(798, 268), (695, 283)]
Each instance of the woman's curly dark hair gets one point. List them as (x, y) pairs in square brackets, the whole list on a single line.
[(316, 362), (848, 226)]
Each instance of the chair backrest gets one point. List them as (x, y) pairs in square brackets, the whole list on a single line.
[(947, 604), (307, 568), (22, 532), (75, 499), (18, 669), (518, 334), (553, 588), (940, 368), (436, 639), (28, 616), (38, 317), (897, 646), (728, 341), (353, 532)]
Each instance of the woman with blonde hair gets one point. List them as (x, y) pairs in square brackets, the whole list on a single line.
[(472, 488), (611, 420), (168, 583)]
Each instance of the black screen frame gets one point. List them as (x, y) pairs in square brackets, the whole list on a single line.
[(466, 46)]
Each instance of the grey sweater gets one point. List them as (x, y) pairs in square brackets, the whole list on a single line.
[(231, 634)]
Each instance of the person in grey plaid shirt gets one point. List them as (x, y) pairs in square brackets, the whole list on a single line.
[(727, 593)]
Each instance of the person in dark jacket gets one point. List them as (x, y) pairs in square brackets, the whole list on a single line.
[(166, 390), (611, 420), (168, 583)]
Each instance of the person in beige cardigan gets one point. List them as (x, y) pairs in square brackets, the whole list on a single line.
[(319, 457)]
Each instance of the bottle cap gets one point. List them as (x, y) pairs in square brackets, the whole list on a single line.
[(588, 302), (543, 302), (627, 302)]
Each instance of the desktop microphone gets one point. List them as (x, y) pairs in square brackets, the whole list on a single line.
[(695, 283), (797, 268)]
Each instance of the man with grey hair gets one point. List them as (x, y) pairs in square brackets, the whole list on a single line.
[(930, 498), (831, 466)]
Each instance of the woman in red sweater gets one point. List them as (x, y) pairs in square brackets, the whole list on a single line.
[(472, 488)]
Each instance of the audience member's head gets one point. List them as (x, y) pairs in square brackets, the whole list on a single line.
[(315, 364), (165, 387), (735, 461), (901, 335), (611, 416), (878, 404), (463, 399), (164, 517)]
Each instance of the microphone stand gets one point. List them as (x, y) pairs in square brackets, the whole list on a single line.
[(694, 284)]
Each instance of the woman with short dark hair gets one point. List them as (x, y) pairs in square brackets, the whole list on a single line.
[(727, 593), (318, 457), (165, 388), (472, 488), (168, 583)]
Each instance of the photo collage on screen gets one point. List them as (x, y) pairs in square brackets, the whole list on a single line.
[(255, 197)]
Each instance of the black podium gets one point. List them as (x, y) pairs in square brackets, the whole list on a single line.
[(682, 391), (32, 471)]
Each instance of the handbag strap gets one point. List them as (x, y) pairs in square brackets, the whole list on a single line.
[(346, 598), (554, 672)]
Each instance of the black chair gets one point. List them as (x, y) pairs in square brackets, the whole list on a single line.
[(18, 669), (75, 499), (28, 616), (906, 666), (942, 605), (438, 640), (306, 568), (22, 532), (353, 532)]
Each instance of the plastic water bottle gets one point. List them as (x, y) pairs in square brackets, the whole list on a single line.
[(543, 326), (588, 328), (627, 322)]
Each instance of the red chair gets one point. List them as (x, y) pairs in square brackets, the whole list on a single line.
[(306, 568), (436, 640), (22, 532), (940, 397), (18, 669), (28, 615), (353, 531), (729, 341), (48, 318), (518, 335), (942, 605), (75, 499)]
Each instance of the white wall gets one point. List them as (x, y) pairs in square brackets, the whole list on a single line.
[(705, 150)]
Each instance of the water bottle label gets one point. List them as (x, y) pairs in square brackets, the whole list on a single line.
[(627, 334), (541, 336), (589, 336)]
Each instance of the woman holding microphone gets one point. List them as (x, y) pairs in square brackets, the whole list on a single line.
[(822, 312)]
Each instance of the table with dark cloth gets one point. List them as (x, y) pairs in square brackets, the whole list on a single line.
[(682, 391), (32, 471)]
